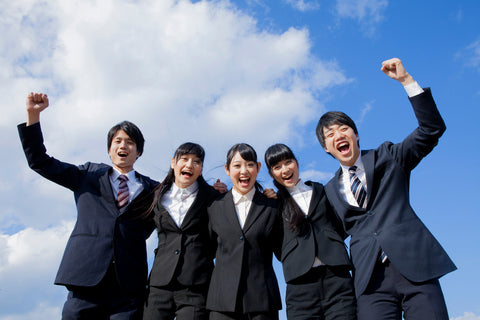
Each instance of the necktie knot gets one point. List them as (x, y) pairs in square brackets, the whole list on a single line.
[(352, 170)]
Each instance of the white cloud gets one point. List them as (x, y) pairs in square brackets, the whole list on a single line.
[(28, 263), (368, 13), (467, 316), (182, 71), (315, 175), (303, 5)]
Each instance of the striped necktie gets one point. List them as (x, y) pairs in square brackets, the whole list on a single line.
[(360, 194), (123, 194), (357, 188)]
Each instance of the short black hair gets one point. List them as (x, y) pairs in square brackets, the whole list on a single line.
[(131, 130), (333, 117)]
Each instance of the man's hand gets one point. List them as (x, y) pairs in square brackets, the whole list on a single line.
[(395, 70), (36, 103), (270, 193), (220, 186)]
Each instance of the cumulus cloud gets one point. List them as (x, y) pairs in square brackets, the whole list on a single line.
[(467, 316), (203, 72), (369, 13), (303, 5)]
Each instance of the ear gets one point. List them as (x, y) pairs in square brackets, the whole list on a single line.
[(172, 164), (259, 165), (227, 171)]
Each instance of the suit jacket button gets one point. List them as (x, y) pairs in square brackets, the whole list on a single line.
[(241, 237), (375, 233), (177, 252)]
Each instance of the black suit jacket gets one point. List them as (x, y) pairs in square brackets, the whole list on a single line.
[(101, 233), (243, 270), (389, 221), (184, 253), (321, 236)]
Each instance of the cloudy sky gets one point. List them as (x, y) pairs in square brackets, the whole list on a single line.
[(222, 72)]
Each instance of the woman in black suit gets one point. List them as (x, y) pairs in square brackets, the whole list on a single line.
[(314, 259), (183, 262), (247, 229)]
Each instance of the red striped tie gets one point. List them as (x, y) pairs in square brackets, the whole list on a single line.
[(123, 194)]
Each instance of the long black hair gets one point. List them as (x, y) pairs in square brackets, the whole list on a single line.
[(166, 184), (291, 212), (247, 153)]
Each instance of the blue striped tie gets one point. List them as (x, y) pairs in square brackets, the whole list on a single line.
[(357, 188)]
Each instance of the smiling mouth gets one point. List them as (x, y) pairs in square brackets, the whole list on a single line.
[(186, 174), (343, 147), (122, 154), (289, 177), (244, 182)]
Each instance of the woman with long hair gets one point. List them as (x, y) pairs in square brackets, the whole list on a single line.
[(314, 259), (183, 261), (246, 228)]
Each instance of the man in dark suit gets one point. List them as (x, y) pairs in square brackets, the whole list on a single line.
[(397, 261), (104, 265)]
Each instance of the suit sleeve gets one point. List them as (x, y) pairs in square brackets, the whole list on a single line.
[(425, 137), (62, 173)]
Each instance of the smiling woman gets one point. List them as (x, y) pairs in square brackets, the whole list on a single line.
[(246, 228), (183, 259)]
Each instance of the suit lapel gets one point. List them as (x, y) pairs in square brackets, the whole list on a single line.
[(107, 192), (315, 197), (256, 208), (200, 198), (229, 210), (368, 159)]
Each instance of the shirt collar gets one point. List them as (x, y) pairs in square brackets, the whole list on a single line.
[(185, 191), (358, 164), (115, 174), (299, 188), (237, 197)]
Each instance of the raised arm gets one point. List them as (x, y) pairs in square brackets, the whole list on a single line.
[(394, 69), (36, 103)]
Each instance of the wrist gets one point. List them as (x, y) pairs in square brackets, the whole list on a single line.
[(406, 80)]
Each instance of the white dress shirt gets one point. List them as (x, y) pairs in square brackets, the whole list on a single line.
[(177, 201), (134, 184), (242, 204)]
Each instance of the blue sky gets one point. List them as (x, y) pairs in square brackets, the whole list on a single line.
[(218, 73)]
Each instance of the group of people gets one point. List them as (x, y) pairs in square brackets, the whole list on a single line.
[(215, 246)]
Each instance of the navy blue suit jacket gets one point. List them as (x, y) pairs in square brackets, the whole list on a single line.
[(101, 233), (389, 221), (321, 236)]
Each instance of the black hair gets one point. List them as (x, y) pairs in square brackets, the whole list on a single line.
[(166, 184), (247, 153), (330, 118), (131, 130), (291, 212)]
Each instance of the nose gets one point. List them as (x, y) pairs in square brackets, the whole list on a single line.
[(243, 169), (189, 163)]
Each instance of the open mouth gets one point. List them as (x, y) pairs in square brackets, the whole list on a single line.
[(122, 154), (288, 177), (343, 147), (244, 182), (186, 174)]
